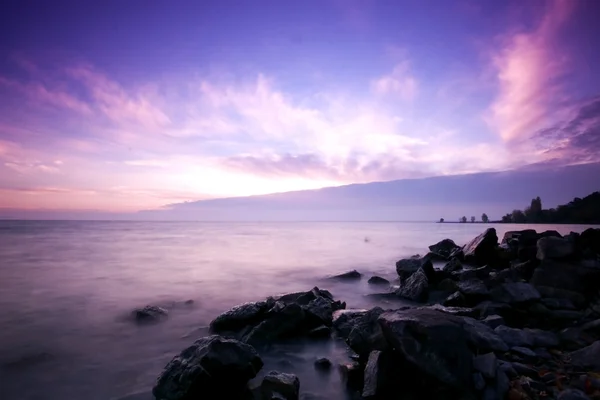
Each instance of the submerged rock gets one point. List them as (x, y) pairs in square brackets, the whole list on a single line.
[(240, 316), (149, 314), (213, 367), (279, 385), (377, 280), (348, 276)]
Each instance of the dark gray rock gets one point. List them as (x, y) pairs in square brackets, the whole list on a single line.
[(377, 280), (483, 337), (323, 364), (587, 357), (458, 311), (351, 374), (508, 369), (474, 291), (452, 266), (490, 393), (525, 352), (281, 322), (319, 311), (447, 285), (486, 364), (543, 338), (482, 249), (515, 293), (468, 274), (416, 287), (478, 381), (287, 386), (486, 308), (525, 237), (344, 320), (554, 248), (502, 383), (353, 275), (456, 299), (212, 365), (376, 375), (366, 334), (514, 337), (149, 314), (558, 304), (241, 316), (444, 248), (523, 369), (572, 394), (493, 321), (572, 281), (320, 332), (408, 266), (433, 342)]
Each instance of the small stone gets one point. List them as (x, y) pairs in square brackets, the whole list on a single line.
[(323, 364), (486, 364)]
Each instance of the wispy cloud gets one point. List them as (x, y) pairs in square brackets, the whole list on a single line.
[(530, 66), (399, 82)]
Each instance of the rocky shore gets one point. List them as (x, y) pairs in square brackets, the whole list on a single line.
[(512, 319)]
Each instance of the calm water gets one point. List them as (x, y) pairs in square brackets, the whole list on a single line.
[(67, 290)]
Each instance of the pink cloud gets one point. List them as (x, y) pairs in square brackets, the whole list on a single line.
[(399, 82), (528, 66)]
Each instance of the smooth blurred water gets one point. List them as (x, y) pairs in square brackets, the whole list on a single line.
[(67, 289)]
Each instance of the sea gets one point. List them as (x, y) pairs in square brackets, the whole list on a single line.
[(68, 288)]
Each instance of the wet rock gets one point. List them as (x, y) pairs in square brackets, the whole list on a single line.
[(487, 308), (366, 334), (516, 273), (486, 364), (444, 248), (408, 266), (447, 285), (344, 320), (149, 314), (554, 248), (515, 293), (493, 321), (456, 299), (319, 311), (452, 266), (543, 338), (377, 280), (375, 375), (431, 341), (478, 382), (543, 353), (286, 386), (572, 394), (514, 337), (458, 311), (482, 249), (416, 287), (320, 332), (351, 374), (474, 291), (468, 274), (282, 321), (525, 237), (483, 337), (587, 357), (240, 316), (353, 275), (212, 367), (323, 364)]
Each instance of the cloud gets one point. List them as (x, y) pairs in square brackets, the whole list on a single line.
[(529, 68), (399, 82)]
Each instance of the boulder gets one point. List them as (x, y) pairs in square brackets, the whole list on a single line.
[(515, 293), (516, 273), (213, 367), (478, 381), (573, 281), (319, 312), (524, 352), (590, 240), (323, 364), (486, 364), (366, 334), (376, 375), (514, 337), (551, 247), (447, 285), (482, 249), (543, 338), (351, 374), (525, 237), (550, 233), (286, 386), (558, 304), (444, 248), (281, 322), (241, 316), (474, 291), (377, 280), (149, 314), (456, 299), (587, 357), (353, 275), (416, 287), (482, 337), (408, 266), (452, 266), (320, 332), (431, 341), (344, 320)]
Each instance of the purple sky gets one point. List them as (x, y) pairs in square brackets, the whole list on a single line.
[(128, 105)]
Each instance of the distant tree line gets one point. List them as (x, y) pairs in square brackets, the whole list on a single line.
[(578, 211), (463, 219)]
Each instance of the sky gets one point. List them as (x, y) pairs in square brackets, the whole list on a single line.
[(123, 106)]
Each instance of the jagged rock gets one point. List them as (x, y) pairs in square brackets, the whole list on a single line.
[(482, 249), (486, 308), (433, 342), (572, 394), (366, 334), (287, 386), (554, 248), (213, 367), (474, 291), (149, 314), (456, 299), (452, 266), (550, 233), (241, 316), (543, 338), (472, 273), (351, 374), (444, 248), (515, 293), (486, 364), (514, 337), (458, 311), (348, 276), (588, 356), (344, 320), (493, 321), (416, 287), (282, 321), (516, 273), (320, 311), (320, 332), (377, 280), (408, 266), (323, 364), (525, 237), (508, 369), (376, 375), (483, 337)]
